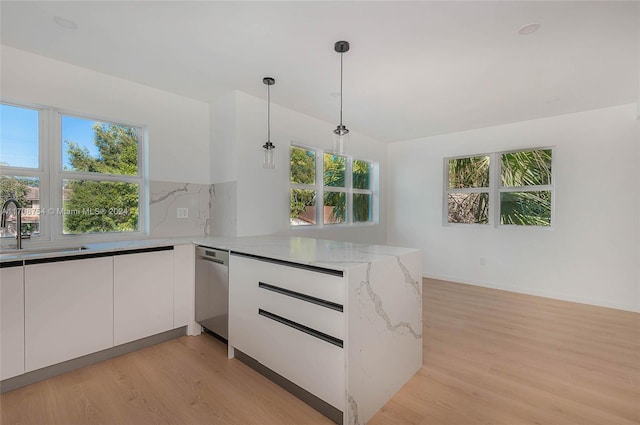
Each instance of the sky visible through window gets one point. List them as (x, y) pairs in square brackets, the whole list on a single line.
[(80, 131), (19, 136)]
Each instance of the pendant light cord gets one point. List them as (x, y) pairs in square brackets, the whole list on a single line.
[(341, 47), (341, 54), (268, 113), (269, 82)]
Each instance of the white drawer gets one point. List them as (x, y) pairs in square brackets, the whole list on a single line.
[(316, 284), (313, 364), (302, 311)]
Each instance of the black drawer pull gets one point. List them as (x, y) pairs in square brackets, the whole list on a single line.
[(308, 267), (295, 325), (303, 297)]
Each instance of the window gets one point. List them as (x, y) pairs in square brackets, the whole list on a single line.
[(525, 188), (84, 177), (520, 193), (362, 194), (100, 181), (22, 168), (468, 190), (335, 189), (303, 191), (343, 186)]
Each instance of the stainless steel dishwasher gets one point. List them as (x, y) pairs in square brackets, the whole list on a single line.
[(212, 290)]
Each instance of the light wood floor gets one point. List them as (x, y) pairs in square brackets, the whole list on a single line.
[(490, 357)]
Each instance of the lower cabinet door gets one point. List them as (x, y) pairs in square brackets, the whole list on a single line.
[(11, 322), (68, 310), (143, 295)]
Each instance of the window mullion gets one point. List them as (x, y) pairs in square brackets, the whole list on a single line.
[(470, 190), (303, 186), (361, 191), (55, 167), (22, 172), (75, 175), (445, 191), (494, 195), (320, 188), (336, 189), (349, 188), (44, 190), (532, 188)]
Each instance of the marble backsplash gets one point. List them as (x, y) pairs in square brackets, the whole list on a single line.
[(211, 209), (164, 200), (223, 210)]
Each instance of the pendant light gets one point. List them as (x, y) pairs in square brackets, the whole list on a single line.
[(341, 133), (268, 160)]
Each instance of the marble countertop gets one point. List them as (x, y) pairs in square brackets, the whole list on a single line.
[(331, 254), (66, 250), (337, 255)]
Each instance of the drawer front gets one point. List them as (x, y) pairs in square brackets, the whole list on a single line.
[(313, 364), (323, 319), (315, 284)]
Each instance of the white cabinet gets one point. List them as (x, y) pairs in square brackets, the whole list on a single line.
[(143, 295), (69, 310), (183, 287), (290, 320), (11, 321), (54, 310)]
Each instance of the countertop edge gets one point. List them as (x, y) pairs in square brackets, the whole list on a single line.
[(338, 255)]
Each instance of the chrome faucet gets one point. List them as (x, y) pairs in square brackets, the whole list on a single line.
[(3, 222)]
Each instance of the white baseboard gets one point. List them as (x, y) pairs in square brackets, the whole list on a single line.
[(529, 291)]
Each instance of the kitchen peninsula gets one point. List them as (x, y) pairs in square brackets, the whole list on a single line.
[(339, 324), (341, 320)]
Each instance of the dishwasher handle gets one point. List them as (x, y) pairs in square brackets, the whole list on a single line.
[(212, 255), (213, 260)]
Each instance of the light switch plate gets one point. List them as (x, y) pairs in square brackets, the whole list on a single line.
[(182, 213)]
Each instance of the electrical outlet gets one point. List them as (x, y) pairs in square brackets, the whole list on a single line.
[(182, 213)]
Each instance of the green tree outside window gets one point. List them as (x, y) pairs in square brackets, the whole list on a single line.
[(99, 205)]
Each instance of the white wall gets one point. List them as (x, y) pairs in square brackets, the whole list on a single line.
[(223, 149), (591, 254), (262, 195), (178, 127)]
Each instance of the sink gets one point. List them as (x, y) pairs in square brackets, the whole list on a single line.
[(42, 250)]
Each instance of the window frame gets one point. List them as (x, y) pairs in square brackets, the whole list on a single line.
[(52, 175), (41, 172), (370, 192), (495, 189), (447, 191), (306, 186), (348, 179), (320, 189), (59, 175), (530, 188)]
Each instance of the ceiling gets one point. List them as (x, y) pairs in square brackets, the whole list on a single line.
[(415, 68)]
